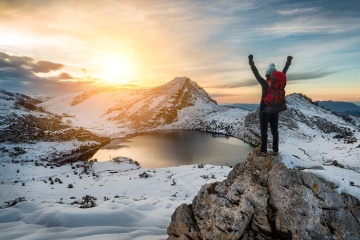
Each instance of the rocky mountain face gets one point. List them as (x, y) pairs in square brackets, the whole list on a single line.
[(160, 105), (263, 199), (23, 122), (118, 112)]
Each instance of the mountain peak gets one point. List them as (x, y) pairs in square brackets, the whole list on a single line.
[(299, 100), (177, 83), (180, 79), (184, 85)]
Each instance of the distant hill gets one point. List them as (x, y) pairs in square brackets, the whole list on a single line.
[(245, 106), (341, 107)]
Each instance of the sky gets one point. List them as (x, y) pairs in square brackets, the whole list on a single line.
[(51, 46)]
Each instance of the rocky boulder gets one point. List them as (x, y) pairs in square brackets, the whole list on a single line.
[(263, 199)]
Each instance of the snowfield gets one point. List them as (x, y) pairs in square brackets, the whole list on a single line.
[(128, 206)]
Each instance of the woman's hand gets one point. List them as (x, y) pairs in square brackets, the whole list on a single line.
[(251, 61)]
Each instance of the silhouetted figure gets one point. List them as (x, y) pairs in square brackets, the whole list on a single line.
[(265, 118)]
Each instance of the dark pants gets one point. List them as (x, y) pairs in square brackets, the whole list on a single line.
[(265, 119)]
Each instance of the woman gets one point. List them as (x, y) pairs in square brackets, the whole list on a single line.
[(265, 119)]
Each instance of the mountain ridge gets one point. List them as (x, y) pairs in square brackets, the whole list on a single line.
[(307, 131), (24, 125), (340, 107), (131, 110)]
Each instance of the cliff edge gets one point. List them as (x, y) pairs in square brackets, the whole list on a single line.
[(263, 199)]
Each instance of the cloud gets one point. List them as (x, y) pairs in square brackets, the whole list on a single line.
[(45, 66), (220, 95), (291, 77), (18, 73), (308, 75), (206, 40), (298, 11), (246, 83), (23, 67), (65, 75)]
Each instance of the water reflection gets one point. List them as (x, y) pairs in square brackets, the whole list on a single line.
[(164, 149)]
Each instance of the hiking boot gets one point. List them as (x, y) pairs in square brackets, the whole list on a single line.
[(261, 154), (274, 153)]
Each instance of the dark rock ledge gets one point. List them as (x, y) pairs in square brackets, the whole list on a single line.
[(262, 199)]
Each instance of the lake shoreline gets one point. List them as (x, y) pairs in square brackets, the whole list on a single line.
[(176, 147)]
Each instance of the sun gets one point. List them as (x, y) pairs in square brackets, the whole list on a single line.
[(116, 70)]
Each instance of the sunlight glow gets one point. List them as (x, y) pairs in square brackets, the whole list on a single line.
[(116, 70)]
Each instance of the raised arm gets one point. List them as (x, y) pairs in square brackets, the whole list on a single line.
[(287, 64), (255, 71)]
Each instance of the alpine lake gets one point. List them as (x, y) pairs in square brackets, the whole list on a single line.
[(175, 148)]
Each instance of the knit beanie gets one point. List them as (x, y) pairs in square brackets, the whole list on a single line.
[(271, 69)]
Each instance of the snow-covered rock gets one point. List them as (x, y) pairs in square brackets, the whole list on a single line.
[(28, 132)]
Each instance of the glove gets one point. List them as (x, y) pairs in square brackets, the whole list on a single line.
[(289, 58), (251, 61)]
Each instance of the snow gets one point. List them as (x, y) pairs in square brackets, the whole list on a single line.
[(345, 180), (131, 207), (155, 102), (128, 206), (321, 154), (41, 150)]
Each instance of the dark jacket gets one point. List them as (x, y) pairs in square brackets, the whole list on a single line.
[(264, 83)]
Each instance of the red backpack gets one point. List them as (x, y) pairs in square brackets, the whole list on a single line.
[(275, 99)]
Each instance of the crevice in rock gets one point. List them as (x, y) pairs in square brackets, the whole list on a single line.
[(271, 215), (356, 219)]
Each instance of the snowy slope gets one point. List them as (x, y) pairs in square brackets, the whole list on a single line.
[(319, 138), (314, 140), (128, 206), (89, 110), (119, 112), (28, 132), (316, 134)]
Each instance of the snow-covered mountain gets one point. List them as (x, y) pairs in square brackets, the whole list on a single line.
[(311, 133), (305, 128), (29, 132), (181, 104)]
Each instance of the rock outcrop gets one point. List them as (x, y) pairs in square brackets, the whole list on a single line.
[(263, 199)]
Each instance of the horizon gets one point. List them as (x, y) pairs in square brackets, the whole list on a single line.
[(256, 103), (229, 103), (53, 47)]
